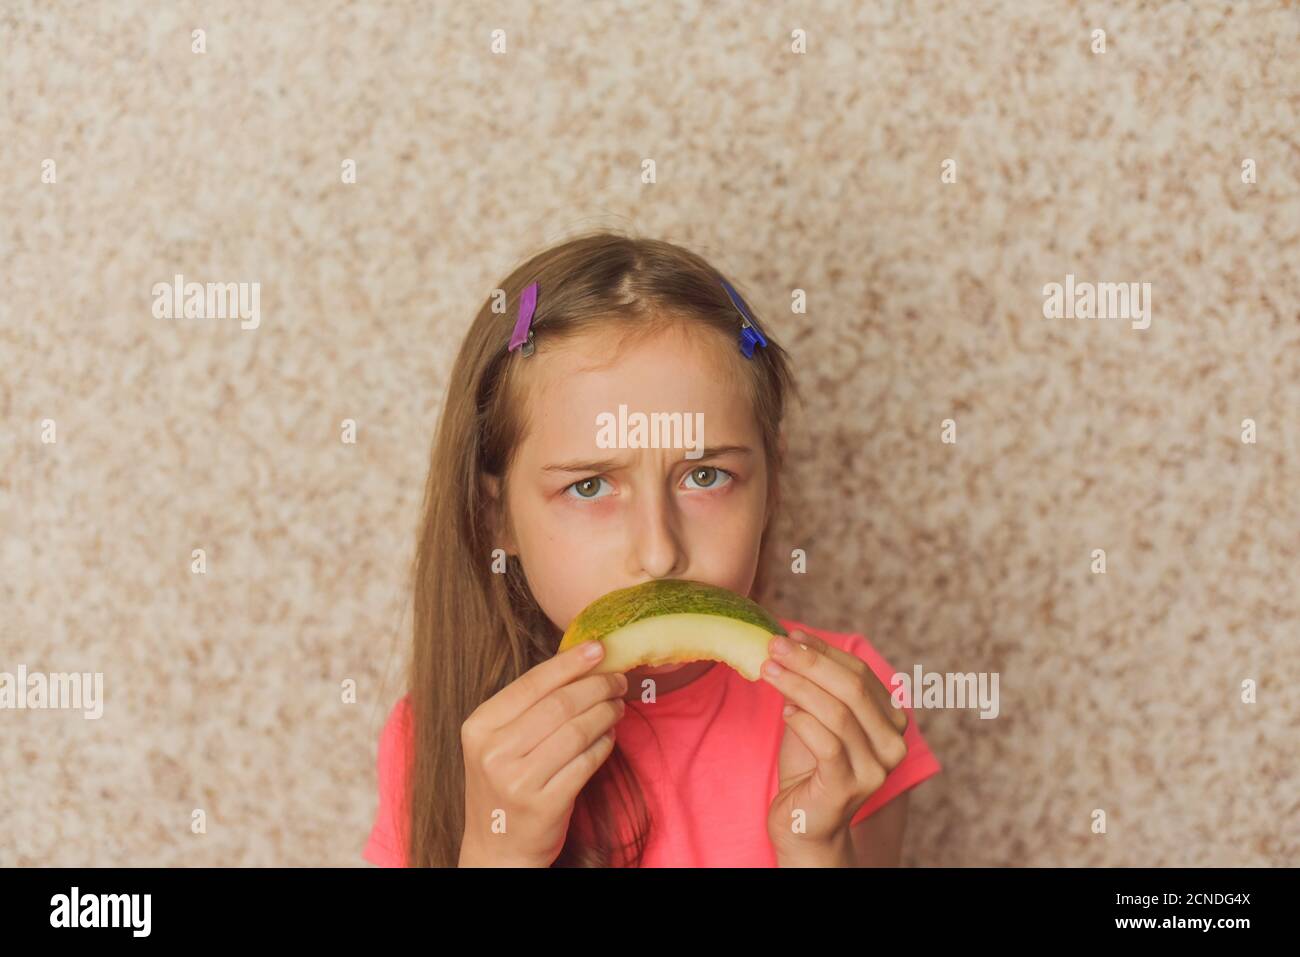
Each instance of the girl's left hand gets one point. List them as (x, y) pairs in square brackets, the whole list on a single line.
[(847, 737)]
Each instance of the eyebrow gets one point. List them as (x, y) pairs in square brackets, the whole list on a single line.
[(608, 465)]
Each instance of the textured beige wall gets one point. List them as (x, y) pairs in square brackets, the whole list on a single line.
[(818, 172)]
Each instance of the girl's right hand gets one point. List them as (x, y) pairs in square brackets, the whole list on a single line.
[(529, 749)]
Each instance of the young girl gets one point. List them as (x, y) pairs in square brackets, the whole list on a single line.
[(504, 753)]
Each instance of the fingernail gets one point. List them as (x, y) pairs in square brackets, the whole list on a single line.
[(782, 646), (788, 710), (772, 669), (593, 650)]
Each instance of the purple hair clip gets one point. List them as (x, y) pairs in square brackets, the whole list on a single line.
[(523, 335), (750, 335)]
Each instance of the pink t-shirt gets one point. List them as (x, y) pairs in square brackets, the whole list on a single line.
[(708, 771)]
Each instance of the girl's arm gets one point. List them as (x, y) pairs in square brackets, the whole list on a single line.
[(878, 839), (875, 841)]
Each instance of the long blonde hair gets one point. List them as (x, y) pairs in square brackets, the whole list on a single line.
[(476, 631)]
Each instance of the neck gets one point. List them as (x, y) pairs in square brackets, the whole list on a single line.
[(669, 680)]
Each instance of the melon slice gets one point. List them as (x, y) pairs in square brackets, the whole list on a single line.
[(673, 620)]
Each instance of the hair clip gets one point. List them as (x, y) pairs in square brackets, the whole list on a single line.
[(750, 335), (523, 335)]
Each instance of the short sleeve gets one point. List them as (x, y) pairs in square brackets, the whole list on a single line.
[(387, 844), (920, 762)]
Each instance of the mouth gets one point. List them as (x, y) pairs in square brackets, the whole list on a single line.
[(662, 669)]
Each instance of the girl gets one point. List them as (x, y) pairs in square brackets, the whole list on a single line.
[(504, 753)]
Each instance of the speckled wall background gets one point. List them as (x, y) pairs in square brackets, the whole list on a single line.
[(126, 158)]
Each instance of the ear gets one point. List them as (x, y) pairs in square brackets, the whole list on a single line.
[(497, 517)]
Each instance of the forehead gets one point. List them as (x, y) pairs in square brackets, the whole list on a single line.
[(676, 369)]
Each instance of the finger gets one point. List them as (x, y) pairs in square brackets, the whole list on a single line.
[(536, 724), (824, 746), (852, 662), (892, 708), (871, 687), (537, 682), (835, 714), (858, 692), (571, 755)]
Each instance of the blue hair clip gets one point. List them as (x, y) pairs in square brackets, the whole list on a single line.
[(523, 334), (750, 335)]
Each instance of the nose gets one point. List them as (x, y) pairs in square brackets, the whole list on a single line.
[(656, 548)]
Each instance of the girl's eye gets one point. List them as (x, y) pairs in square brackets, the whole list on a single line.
[(586, 488), (709, 475)]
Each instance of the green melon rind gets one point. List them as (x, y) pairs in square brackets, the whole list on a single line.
[(672, 596), (740, 644)]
